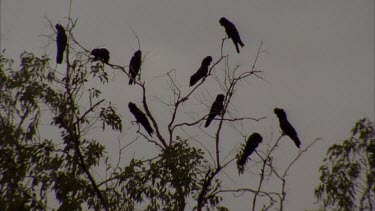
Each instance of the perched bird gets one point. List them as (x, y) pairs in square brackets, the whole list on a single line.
[(140, 117), (202, 71), (286, 127), (101, 54), (251, 144), (216, 109), (135, 66), (61, 41), (232, 32)]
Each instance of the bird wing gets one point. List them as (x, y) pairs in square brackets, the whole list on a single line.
[(289, 130), (142, 119), (232, 32), (61, 41), (194, 79), (212, 114), (134, 66), (201, 73)]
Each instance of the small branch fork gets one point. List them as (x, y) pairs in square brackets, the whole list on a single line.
[(285, 173)]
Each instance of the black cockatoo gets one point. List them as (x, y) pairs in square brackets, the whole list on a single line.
[(202, 71), (216, 109), (251, 144), (286, 127), (135, 66), (101, 54), (140, 117), (232, 32), (61, 41)]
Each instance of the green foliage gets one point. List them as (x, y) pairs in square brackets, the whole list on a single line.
[(32, 166), (347, 175), (27, 163), (109, 117), (164, 182)]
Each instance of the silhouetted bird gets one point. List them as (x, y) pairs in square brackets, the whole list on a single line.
[(61, 41), (202, 71), (232, 32), (140, 117), (101, 54), (286, 127), (251, 144), (135, 66), (216, 109)]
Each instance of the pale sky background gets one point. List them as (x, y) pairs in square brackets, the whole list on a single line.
[(319, 64)]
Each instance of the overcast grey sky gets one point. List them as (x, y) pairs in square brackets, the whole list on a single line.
[(319, 60)]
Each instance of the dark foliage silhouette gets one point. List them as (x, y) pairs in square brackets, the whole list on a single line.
[(286, 127), (140, 117), (61, 41), (100, 54), (216, 109), (202, 71), (348, 171), (251, 144), (135, 66), (232, 32)]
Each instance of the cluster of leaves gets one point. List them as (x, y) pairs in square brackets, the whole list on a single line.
[(164, 181), (348, 173), (24, 161), (30, 164)]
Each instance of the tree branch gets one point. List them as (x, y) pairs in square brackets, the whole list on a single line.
[(148, 112)]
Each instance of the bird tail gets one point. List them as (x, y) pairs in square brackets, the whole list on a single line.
[(193, 80), (207, 123), (242, 161), (237, 48), (150, 132), (148, 128), (241, 165), (59, 57), (241, 43), (131, 81), (297, 141)]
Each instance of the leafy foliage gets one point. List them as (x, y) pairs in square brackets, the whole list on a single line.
[(348, 173), (30, 163)]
